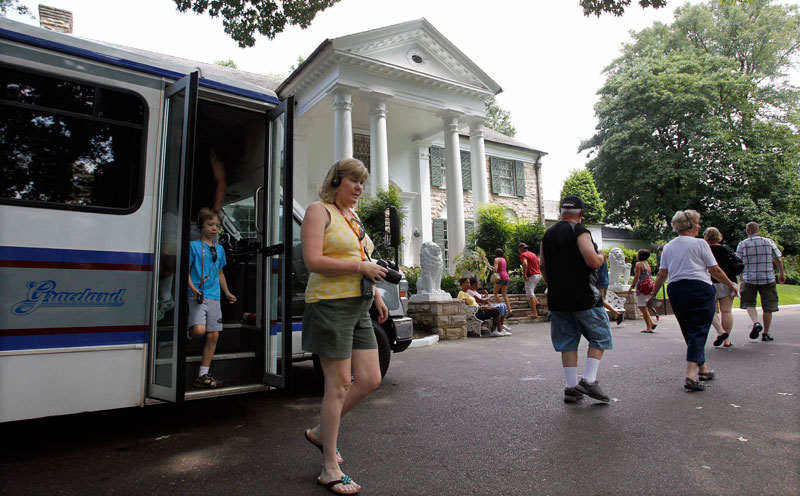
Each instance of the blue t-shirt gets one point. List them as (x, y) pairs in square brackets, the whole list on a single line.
[(199, 251)]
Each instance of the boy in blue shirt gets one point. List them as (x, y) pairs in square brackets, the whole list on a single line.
[(206, 260)]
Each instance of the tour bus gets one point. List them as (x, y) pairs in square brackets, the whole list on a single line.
[(106, 158)]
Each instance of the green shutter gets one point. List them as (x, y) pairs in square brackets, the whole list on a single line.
[(440, 233), (495, 181), (466, 170), (469, 226), (519, 174), (436, 161)]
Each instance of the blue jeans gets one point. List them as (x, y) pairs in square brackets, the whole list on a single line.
[(693, 303)]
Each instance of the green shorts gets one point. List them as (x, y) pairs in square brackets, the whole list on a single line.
[(769, 296), (334, 328)]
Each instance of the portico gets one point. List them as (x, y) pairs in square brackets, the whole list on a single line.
[(391, 97)]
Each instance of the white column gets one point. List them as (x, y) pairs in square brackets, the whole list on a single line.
[(455, 192), (480, 183), (342, 122), (424, 187), (378, 144)]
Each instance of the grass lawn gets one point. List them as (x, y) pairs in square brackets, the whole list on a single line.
[(787, 295)]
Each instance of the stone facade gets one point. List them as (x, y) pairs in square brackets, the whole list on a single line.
[(526, 207), (447, 319)]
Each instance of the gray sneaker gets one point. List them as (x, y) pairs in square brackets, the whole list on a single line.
[(592, 390), (572, 395)]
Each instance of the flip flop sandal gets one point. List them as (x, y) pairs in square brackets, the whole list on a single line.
[(728, 345), (339, 459), (692, 385), (330, 485), (654, 326), (646, 331), (721, 338), (706, 376)]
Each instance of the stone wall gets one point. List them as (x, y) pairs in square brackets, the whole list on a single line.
[(447, 319), (526, 207)]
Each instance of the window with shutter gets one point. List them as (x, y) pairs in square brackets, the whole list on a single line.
[(466, 170), (440, 237), (437, 166), (520, 177), (469, 226), (494, 172)]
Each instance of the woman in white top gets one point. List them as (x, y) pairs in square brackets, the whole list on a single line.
[(687, 262)]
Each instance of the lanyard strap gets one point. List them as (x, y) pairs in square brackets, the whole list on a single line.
[(350, 224)]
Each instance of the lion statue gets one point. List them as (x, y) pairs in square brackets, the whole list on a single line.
[(618, 271), (430, 277)]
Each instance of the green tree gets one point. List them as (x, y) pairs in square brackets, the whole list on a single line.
[(700, 114), (616, 7), (499, 119), (581, 184), (242, 18), (372, 212), (6, 5), (226, 63), (298, 62)]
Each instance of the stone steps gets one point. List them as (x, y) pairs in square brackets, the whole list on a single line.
[(521, 310)]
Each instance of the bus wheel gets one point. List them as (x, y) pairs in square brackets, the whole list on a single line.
[(384, 348)]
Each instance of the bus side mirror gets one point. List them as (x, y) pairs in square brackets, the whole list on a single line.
[(394, 227)]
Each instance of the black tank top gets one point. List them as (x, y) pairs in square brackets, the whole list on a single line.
[(571, 284)]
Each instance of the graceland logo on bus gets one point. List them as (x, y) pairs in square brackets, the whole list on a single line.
[(44, 294)]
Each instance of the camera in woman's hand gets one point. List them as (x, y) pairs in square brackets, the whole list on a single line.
[(392, 275)]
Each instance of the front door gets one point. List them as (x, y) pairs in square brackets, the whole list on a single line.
[(278, 200), (170, 301)]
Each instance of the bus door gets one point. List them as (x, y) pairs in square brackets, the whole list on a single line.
[(170, 298), (278, 200)]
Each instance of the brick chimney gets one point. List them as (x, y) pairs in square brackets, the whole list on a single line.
[(55, 19)]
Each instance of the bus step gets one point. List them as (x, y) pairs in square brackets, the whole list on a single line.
[(225, 391), (223, 356)]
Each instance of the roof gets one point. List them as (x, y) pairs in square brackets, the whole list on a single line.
[(498, 137), (617, 233)]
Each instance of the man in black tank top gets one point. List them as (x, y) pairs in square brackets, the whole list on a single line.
[(568, 261)]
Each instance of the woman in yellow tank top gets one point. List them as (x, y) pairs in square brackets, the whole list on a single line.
[(336, 321)]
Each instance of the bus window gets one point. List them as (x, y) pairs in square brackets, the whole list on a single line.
[(69, 144)]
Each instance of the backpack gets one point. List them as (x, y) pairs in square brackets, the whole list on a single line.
[(645, 286)]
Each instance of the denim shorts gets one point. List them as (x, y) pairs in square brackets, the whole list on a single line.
[(566, 329)]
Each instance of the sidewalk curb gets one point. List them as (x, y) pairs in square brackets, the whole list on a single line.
[(426, 341)]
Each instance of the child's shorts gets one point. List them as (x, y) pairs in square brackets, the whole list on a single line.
[(208, 313)]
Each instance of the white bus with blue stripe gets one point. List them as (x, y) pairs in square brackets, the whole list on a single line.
[(104, 154)]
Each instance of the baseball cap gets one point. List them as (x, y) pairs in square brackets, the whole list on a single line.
[(573, 202)]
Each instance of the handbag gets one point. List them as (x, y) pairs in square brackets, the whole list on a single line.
[(646, 286), (494, 278)]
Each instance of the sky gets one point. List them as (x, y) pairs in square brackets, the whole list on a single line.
[(545, 54)]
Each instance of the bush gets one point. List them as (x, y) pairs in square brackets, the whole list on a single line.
[(412, 274), (523, 231), (791, 265), (492, 229), (451, 285), (372, 211), (473, 262)]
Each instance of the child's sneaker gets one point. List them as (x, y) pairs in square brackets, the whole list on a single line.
[(206, 382)]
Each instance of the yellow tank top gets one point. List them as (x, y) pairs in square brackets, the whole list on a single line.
[(341, 242)]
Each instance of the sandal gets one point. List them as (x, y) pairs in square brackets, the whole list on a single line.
[(646, 331), (693, 385), (706, 376), (728, 345), (721, 338), (319, 447), (332, 484)]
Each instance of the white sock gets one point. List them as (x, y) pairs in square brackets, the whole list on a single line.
[(571, 376), (203, 371), (590, 373)]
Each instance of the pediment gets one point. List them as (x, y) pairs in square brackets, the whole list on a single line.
[(416, 46)]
